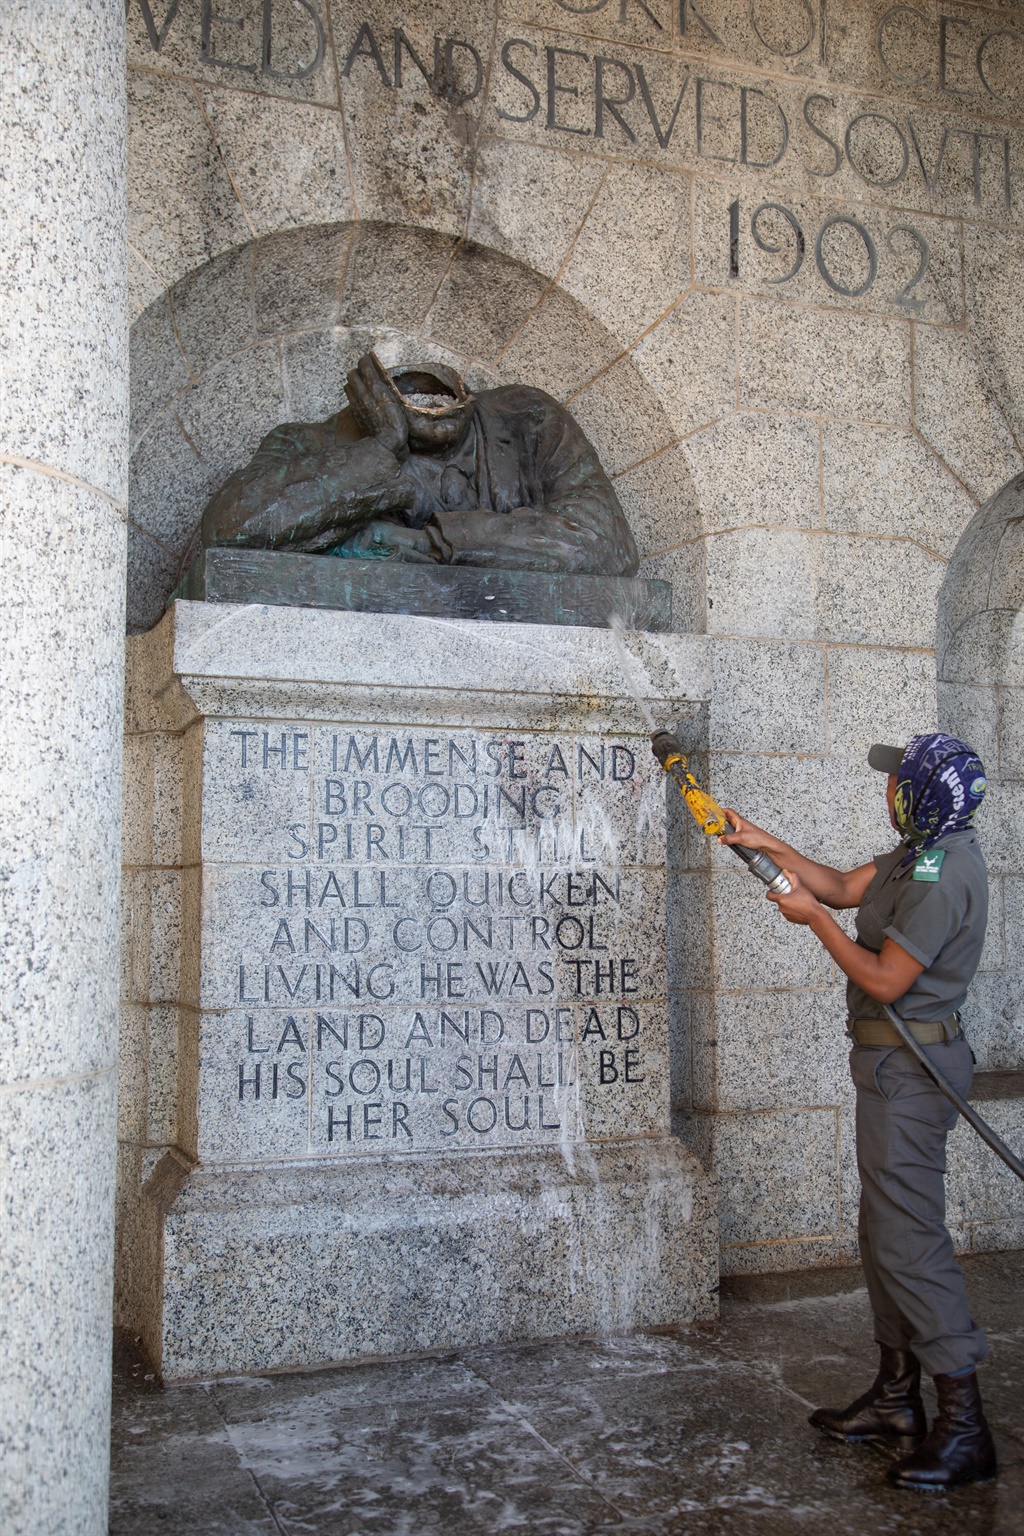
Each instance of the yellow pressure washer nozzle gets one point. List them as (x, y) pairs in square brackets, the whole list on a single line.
[(708, 814)]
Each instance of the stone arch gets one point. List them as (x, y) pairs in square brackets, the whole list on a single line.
[(265, 333), (980, 660)]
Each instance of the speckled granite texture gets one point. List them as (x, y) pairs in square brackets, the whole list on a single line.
[(388, 1256), (63, 487), (397, 1022)]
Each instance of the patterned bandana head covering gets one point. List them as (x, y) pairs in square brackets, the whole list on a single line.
[(941, 784)]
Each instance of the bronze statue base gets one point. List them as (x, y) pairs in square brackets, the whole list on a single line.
[(447, 592)]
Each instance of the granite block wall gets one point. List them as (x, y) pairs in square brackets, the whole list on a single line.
[(981, 689), (769, 255)]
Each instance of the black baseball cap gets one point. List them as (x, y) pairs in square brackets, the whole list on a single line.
[(886, 759)]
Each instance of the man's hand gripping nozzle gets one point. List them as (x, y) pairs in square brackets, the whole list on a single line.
[(708, 814)]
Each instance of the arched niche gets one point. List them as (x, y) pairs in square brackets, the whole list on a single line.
[(266, 332), (980, 658)]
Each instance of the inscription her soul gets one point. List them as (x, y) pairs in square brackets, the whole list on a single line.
[(419, 1004)]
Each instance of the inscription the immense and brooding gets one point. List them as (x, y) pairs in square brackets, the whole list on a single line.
[(492, 787), (448, 940)]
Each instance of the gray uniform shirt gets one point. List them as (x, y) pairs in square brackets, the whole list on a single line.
[(941, 924)]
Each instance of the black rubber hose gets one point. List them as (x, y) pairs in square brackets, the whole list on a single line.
[(972, 1117)]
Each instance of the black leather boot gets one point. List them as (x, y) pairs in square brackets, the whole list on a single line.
[(959, 1447), (890, 1413)]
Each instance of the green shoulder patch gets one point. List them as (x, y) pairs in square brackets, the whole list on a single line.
[(928, 866)]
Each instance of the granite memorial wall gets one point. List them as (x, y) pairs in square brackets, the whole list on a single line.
[(768, 255)]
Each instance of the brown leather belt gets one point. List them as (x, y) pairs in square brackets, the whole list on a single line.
[(881, 1032)]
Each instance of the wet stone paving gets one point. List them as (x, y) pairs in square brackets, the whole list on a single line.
[(698, 1430)]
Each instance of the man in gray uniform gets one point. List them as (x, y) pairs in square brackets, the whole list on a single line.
[(921, 914)]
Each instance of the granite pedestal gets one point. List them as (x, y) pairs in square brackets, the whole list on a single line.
[(398, 990)]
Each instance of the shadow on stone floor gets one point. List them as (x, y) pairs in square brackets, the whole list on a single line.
[(701, 1430)]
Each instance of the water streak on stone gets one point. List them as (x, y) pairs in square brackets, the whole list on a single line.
[(616, 626)]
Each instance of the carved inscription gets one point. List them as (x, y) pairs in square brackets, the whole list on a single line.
[(422, 939), (657, 103), (272, 40), (810, 249), (783, 236), (644, 74)]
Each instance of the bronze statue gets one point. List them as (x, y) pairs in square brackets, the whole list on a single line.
[(416, 468)]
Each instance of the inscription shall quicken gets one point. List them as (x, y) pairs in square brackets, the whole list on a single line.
[(419, 940)]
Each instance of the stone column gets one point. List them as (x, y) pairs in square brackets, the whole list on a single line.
[(63, 461)]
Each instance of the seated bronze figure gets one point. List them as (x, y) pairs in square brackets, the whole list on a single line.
[(416, 468)]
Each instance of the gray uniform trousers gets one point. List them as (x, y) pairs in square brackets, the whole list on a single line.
[(914, 1282)]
